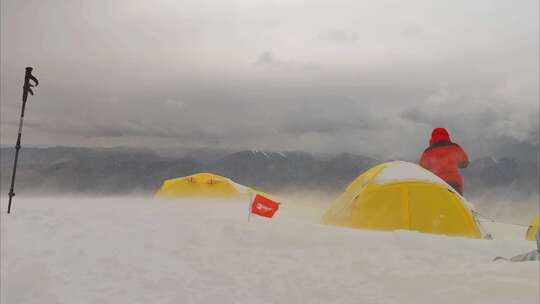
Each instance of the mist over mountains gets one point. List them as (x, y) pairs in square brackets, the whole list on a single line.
[(118, 171)]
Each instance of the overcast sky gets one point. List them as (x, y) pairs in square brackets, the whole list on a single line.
[(371, 77)]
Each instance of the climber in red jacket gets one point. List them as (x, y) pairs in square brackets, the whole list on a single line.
[(444, 158)]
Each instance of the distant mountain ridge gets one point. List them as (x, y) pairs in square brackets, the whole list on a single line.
[(107, 171), (275, 171)]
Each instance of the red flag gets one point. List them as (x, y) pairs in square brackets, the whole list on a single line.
[(264, 206)]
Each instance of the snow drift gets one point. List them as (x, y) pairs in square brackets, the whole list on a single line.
[(133, 250)]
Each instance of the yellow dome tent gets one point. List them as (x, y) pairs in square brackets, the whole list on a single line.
[(402, 195), (202, 185), (533, 228)]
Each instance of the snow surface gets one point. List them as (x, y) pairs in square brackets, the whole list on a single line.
[(240, 188), (401, 170), (134, 250)]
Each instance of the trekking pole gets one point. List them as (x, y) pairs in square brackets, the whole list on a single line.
[(27, 88)]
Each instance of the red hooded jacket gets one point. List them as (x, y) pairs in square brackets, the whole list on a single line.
[(444, 158)]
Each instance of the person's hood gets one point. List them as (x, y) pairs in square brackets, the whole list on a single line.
[(439, 134)]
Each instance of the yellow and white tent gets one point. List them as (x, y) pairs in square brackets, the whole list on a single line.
[(202, 185), (533, 228), (402, 195)]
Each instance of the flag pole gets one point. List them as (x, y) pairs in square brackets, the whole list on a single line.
[(27, 88), (249, 205)]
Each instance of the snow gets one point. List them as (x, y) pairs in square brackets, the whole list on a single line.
[(400, 170), (256, 151), (138, 250), (240, 188)]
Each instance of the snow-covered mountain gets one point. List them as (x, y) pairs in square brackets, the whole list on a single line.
[(277, 171), (502, 174), (125, 170)]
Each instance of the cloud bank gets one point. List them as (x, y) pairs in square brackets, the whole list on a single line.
[(352, 76)]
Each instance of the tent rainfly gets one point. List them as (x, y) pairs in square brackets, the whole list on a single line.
[(401, 195), (533, 228), (202, 185)]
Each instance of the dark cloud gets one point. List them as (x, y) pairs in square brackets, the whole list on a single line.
[(483, 121), (376, 79)]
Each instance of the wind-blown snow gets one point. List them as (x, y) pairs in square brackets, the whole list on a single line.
[(400, 170), (146, 251), (240, 188)]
